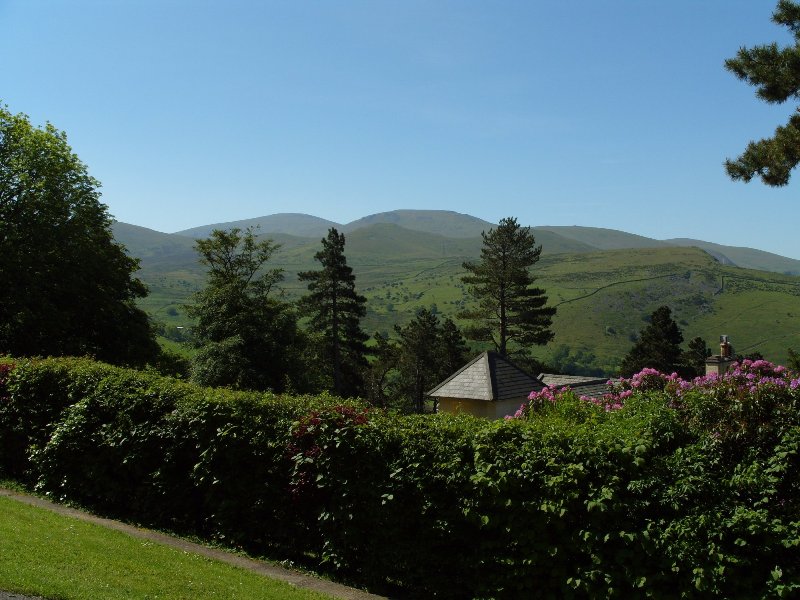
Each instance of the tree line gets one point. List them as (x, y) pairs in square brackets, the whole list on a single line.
[(248, 336), (68, 288)]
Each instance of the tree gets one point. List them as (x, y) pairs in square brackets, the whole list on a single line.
[(336, 311), (659, 346), (694, 358), (452, 349), (426, 353), (509, 310), (246, 337), (66, 287), (775, 72), (379, 380)]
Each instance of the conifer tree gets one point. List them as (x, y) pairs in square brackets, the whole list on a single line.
[(659, 346), (335, 309), (510, 310), (427, 352), (775, 74), (453, 351), (694, 359)]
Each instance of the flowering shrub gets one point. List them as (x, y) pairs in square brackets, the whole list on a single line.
[(748, 387)]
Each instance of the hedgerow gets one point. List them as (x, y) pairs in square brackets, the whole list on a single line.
[(665, 488)]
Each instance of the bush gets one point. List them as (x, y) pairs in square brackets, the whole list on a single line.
[(665, 488)]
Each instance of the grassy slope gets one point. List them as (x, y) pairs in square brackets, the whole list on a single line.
[(604, 239), (748, 258), (440, 222), (296, 224), (58, 557), (401, 270)]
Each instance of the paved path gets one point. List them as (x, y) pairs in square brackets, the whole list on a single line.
[(300, 580)]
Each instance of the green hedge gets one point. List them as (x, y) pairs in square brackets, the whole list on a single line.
[(647, 501)]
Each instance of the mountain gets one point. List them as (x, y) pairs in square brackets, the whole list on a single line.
[(441, 222), (748, 258), (147, 243), (603, 239), (296, 224), (603, 296)]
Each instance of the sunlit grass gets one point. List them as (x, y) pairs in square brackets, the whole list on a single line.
[(54, 556)]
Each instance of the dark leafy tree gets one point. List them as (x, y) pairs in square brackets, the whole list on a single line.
[(336, 309), (694, 358), (66, 288), (659, 346), (379, 377), (452, 349), (775, 72), (247, 338), (510, 311), (427, 352), (418, 351)]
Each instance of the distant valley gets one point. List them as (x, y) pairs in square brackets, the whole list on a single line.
[(605, 282)]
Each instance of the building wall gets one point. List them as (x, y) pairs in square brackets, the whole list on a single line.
[(480, 408)]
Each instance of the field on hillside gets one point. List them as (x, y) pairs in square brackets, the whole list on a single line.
[(603, 298)]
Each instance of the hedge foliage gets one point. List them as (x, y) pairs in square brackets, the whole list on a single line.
[(680, 492)]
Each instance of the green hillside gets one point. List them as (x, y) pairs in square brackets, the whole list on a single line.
[(296, 224), (603, 297), (441, 222), (143, 242), (600, 238), (748, 258)]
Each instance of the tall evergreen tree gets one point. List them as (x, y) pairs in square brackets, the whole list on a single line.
[(694, 359), (247, 338), (452, 349), (510, 311), (336, 310), (659, 346), (426, 354), (775, 73)]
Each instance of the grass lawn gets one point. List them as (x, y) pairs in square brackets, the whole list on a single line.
[(54, 556)]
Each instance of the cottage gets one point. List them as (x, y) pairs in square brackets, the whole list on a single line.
[(488, 386), (491, 386)]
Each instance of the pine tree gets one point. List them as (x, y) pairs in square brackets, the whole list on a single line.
[(659, 346), (417, 357), (774, 72), (335, 309), (510, 311), (694, 359), (453, 350)]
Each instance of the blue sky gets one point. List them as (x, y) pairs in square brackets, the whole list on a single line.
[(607, 113)]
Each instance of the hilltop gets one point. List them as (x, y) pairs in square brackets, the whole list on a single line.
[(604, 282)]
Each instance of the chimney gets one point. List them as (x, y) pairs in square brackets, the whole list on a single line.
[(725, 348), (719, 364)]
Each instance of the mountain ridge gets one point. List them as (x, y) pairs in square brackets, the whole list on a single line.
[(455, 225), (603, 296)]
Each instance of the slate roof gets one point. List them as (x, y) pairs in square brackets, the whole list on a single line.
[(488, 377), (593, 387)]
